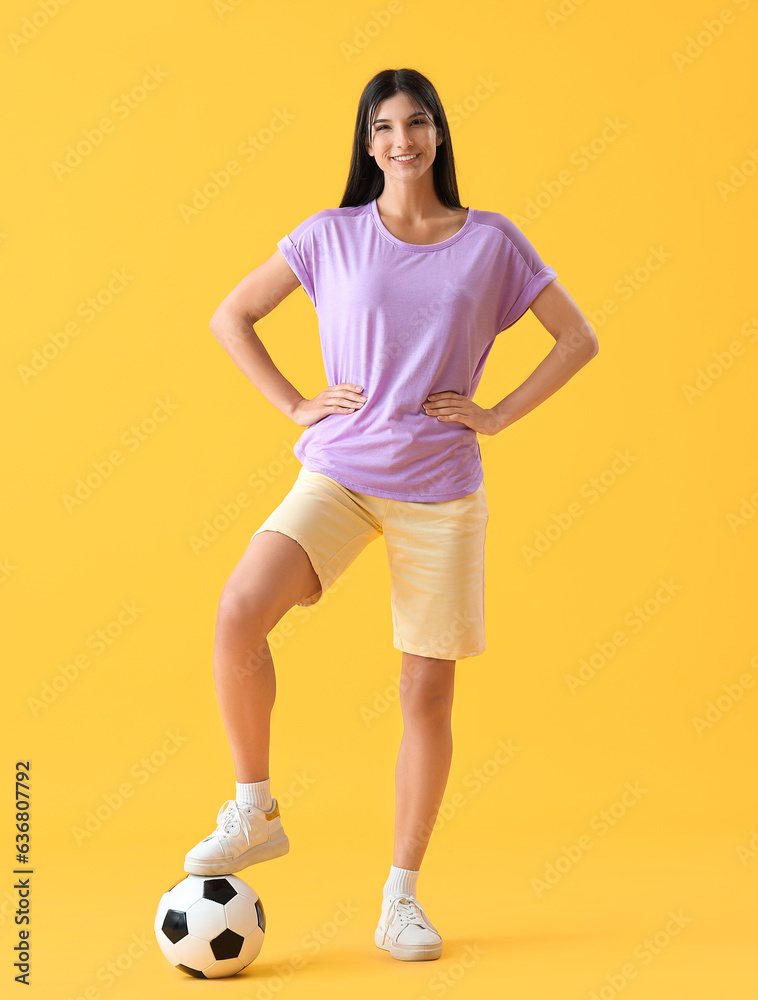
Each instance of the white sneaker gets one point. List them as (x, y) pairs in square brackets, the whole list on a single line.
[(244, 835), (405, 931)]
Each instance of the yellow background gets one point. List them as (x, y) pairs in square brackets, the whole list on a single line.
[(683, 846)]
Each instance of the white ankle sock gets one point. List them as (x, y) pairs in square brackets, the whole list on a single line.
[(255, 793), (402, 880)]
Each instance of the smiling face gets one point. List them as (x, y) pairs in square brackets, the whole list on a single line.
[(402, 128)]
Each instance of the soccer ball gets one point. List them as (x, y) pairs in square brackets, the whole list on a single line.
[(210, 926)]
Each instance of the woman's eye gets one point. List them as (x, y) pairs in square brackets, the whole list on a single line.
[(416, 121)]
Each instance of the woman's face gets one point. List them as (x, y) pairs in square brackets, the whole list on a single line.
[(401, 127)]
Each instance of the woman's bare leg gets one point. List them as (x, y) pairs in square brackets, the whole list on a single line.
[(272, 576), (426, 751)]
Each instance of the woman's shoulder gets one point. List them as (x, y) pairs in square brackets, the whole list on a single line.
[(496, 220), (328, 216), (507, 234)]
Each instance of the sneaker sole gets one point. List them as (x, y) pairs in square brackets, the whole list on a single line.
[(260, 852), (408, 953)]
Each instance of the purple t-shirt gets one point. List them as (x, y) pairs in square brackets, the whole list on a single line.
[(404, 321)]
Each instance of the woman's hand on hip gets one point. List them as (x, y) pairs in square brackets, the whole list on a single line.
[(343, 398), (452, 406)]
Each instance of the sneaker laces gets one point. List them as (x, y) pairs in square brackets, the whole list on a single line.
[(228, 815), (409, 911)]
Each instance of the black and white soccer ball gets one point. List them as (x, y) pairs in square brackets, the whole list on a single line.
[(210, 926)]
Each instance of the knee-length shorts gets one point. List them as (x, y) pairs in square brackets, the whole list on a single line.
[(435, 552)]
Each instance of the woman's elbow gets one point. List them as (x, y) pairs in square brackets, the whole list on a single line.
[(594, 345), (578, 340)]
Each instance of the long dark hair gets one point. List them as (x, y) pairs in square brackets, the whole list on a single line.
[(366, 179)]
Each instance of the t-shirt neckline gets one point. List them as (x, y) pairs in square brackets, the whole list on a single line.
[(419, 247)]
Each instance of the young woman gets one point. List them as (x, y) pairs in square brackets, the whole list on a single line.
[(411, 290)]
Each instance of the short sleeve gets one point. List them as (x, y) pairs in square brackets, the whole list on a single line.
[(524, 275), (299, 251), (299, 260)]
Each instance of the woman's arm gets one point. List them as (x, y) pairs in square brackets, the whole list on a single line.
[(232, 325), (576, 344)]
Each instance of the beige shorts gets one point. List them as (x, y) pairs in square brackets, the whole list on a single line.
[(435, 551)]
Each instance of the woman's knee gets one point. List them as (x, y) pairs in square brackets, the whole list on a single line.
[(235, 603), (273, 575), (245, 608), (256, 600), (426, 687)]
